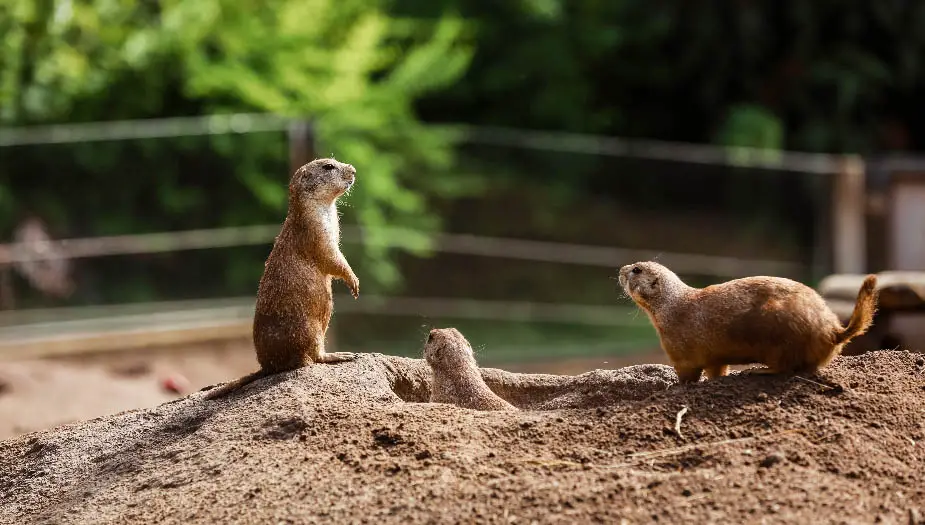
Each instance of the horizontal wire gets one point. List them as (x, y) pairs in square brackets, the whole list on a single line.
[(463, 244), (240, 123)]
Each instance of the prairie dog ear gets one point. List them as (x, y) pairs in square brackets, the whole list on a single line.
[(295, 182), (305, 180)]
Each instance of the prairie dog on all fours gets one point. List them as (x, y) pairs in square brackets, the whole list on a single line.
[(457, 379), (294, 299), (780, 323)]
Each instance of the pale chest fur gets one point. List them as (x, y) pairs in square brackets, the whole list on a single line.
[(328, 224), (316, 230)]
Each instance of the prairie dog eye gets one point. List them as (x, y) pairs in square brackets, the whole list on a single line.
[(329, 167), (636, 270)]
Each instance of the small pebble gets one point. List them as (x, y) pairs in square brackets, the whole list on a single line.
[(772, 459)]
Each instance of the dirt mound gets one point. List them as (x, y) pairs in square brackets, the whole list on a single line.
[(354, 443)]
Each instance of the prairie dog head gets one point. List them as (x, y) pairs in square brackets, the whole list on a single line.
[(447, 349), (321, 180), (649, 284)]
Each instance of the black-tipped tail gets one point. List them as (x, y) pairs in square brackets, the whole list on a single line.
[(863, 315)]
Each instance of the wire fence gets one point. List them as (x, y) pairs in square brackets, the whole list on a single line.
[(242, 123), (469, 244), (484, 246)]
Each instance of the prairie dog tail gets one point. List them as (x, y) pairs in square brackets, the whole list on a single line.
[(863, 315), (231, 386)]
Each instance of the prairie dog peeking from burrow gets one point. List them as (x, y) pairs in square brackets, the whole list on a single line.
[(456, 376)]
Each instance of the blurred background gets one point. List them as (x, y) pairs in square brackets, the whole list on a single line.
[(511, 156)]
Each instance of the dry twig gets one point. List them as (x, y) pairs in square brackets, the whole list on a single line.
[(824, 387), (677, 422)]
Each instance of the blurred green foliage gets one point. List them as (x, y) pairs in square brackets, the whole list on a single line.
[(349, 65), (815, 76)]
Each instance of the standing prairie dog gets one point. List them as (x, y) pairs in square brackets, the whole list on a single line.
[(294, 300), (457, 379), (777, 322)]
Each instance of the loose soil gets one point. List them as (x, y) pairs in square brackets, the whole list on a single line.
[(43, 393), (358, 443)]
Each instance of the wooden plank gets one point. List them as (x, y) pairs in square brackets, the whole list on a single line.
[(78, 330), (899, 291), (121, 340)]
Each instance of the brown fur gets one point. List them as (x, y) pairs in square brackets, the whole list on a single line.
[(294, 300), (457, 379), (777, 322)]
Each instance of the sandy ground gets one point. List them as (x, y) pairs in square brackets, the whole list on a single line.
[(357, 443), (39, 394), (43, 393)]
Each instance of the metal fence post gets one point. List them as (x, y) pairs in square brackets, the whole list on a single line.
[(849, 217), (301, 144)]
